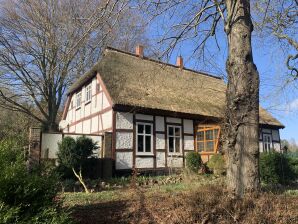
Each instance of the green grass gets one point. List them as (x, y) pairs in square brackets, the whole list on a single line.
[(81, 198)]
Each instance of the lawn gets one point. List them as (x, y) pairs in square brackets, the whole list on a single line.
[(194, 199)]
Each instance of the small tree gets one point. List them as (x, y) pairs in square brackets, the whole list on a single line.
[(73, 154)]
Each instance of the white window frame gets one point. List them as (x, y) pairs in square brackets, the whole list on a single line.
[(174, 136), (144, 143), (267, 143), (88, 92), (79, 94)]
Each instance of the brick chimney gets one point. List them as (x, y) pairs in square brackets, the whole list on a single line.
[(179, 62), (140, 51)]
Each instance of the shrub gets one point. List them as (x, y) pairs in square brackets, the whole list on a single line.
[(73, 154), (193, 161), (217, 164), (26, 197), (276, 168)]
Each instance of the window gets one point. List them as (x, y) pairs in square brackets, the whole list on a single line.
[(78, 99), (144, 139), (267, 142), (88, 93), (207, 138), (174, 139)]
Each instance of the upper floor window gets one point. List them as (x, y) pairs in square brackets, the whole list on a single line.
[(267, 142), (207, 138), (78, 99), (88, 93), (174, 139), (144, 140)]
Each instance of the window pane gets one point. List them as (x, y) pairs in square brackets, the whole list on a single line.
[(140, 143), (177, 144), (171, 144), (148, 129), (200, 146), (210, 146), (177, 131), (200, 136), (148, 144), (140, 128), (209, 135), (171, 131), (216, 133)]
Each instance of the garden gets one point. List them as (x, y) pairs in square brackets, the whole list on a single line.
[(197, 194)]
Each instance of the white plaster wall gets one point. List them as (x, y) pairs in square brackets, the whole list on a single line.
[(107, 119), (87, 126), (79, 127), (124, 120), (99, 101), (144, 162), (175, 162), (94, 124), (189, 142), (124, 140), (105, 102), (87, 109), (123, 160), (160, 159), (94, 104), (99, 123), (173, 120), (78, 114), (144, 117), (188, 126), (160, 141), (160, 123), (50, 141), (275, 135)]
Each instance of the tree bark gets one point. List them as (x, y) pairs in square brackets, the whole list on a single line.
[(242, 112)]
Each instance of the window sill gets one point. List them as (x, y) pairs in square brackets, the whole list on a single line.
[(144, 154), (88, 102), (77, 108), (174, 154)]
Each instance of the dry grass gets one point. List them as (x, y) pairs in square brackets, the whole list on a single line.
[(187, 202)]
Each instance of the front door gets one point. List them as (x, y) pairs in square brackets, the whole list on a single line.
[(267, 143)]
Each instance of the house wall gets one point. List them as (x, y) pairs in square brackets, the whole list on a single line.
[(125, 146), (93, 117), (274, 133)]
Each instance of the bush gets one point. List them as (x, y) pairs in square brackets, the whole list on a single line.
[(193, 161), (276, 168), (217, 164), (73, 154), (26, 197)]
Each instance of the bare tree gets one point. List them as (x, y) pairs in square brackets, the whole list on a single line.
[(279, 18), (198, 21), (45, 45)]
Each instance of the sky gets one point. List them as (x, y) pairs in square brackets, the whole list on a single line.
[(279, 99)]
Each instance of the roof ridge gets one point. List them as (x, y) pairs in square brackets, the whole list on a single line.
[(164, 63)]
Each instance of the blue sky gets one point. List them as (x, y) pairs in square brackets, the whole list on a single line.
[(279, 99)]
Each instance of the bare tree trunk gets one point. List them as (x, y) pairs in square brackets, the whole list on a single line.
[(242, 112), (80, 178)]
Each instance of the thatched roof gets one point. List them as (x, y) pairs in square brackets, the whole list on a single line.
[(146, 83)]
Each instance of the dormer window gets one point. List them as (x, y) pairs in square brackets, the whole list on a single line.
[(88, 93), (78, 100)]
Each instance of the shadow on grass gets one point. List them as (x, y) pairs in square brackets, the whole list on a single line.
[(119, 211), (104, 212)]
